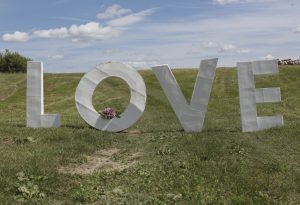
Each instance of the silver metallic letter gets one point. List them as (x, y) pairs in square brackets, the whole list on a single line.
[(249, 95), (190, 116), (88, 84), (35, 98)]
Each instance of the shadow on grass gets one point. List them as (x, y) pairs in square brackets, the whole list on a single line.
[(210, 130), (206, 130), (18, 125), (78, 127), (153, 131)]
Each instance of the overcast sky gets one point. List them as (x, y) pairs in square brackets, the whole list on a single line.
[(76, 35)]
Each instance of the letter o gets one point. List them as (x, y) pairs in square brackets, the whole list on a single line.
[(89, 82)]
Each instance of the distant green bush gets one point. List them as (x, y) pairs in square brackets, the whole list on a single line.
[(12, 62)]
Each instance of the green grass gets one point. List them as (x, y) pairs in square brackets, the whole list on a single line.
[(220, 165)]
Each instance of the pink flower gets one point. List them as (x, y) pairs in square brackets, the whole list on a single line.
[(109, 113)]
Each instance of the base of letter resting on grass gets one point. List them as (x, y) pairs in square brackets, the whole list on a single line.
[(88, 84), (35, 99)]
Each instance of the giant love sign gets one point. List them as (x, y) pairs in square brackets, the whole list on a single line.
[(190, 115)]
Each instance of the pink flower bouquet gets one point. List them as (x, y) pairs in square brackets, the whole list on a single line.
[(109, 113)]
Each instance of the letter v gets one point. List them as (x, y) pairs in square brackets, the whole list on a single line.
[(190, 116)]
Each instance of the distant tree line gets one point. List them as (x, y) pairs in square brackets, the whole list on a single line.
[(12, 62)]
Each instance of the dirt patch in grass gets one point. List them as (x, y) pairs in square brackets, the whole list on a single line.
[(7, 141), (101, 160)]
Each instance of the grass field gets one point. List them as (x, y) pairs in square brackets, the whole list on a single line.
[(154, 161)]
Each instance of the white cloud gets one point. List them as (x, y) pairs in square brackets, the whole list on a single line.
[(225, 48), (140, 63), (269, 57), (89, 31), (224, 2), (113, 11), (210, 44), (16, 37), (131, 19), (57, 57), (242, 50), (232, 48), (92, 30), (228, 48), (52, 33), (297, 30)]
